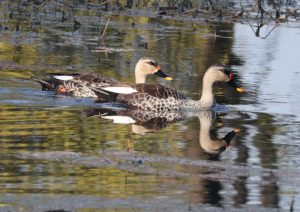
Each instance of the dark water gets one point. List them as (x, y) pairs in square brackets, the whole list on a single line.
[(54, 156)]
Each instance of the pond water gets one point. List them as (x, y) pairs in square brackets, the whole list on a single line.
[(56, 156)]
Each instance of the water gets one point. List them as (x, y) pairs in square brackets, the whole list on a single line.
[(53, 153)]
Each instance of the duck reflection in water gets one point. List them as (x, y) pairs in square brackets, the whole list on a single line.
[(207, 136), (145, 122)]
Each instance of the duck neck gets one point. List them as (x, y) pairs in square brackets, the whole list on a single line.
[(205, 119), (206, 141), (139, 78), (207, 98)]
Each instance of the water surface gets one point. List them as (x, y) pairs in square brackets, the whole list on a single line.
[(51, 150)]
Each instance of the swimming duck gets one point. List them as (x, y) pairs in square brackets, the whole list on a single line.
[(156, 97), (78, 85)]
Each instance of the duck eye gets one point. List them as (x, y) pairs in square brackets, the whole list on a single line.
[(227, 71), (152, 63)]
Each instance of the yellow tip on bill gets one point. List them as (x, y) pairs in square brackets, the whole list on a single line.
[(168, 78), (240, 90)]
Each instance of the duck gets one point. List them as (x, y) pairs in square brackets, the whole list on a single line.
[(157, 97), (78, 85)]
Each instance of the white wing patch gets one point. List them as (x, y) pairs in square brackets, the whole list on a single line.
[(120, 119), (121, 90), (63, 77)]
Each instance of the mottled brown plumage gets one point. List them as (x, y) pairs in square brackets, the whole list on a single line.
[(159, 91), (80, 85)]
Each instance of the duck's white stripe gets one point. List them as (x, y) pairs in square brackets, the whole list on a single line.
[(63, 77), (120, 119), (121, 90)]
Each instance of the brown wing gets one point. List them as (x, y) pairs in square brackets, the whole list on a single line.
[(94, 80), (157, 90)]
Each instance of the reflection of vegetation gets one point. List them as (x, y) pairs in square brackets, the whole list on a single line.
[(263, 139), (26, 129), (258, 149), (23, 54), (263, 142), (61, 129)]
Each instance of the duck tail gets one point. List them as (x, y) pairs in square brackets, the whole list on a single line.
[(45, 85)]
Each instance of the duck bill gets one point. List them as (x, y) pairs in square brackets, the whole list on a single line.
[(240, 90), (237, 87), (162, 74)]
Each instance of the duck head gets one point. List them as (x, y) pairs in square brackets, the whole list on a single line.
[(146, 66), (221, 73)]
